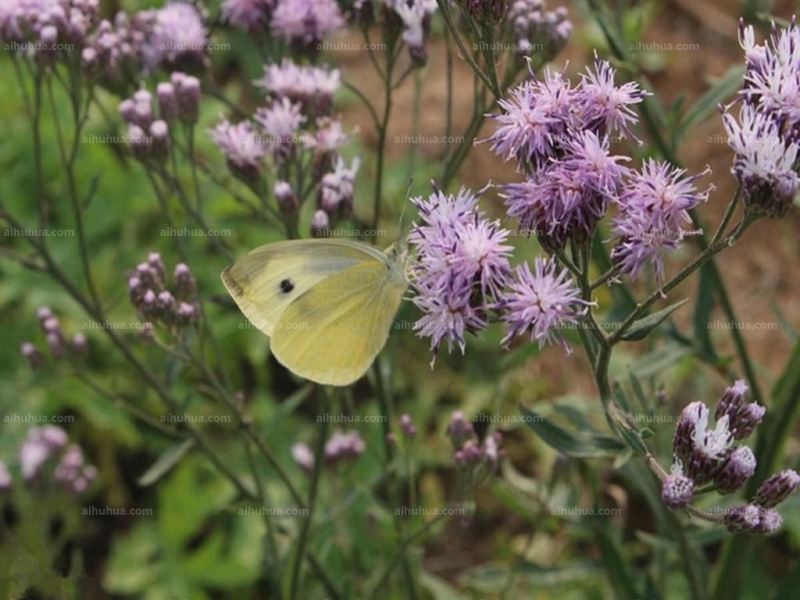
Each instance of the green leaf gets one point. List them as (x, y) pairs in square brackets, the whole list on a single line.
[(642, 327), (165, 463), (725, 88), (702, 310), (617, 568), (580, 444)]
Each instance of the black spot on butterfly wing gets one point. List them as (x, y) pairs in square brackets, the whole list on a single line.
[(286, 286)]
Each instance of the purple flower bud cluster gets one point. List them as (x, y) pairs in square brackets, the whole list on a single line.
[(309, 86), (413, 19), (558, 135), (408, 427), (485, 12), (46, 29), (305, 23), (344, 447), (57, 342), (706, 456), (461, 268), (149, 137), (49, 446), (178, 38), (765, 136), (243, 148), (538, 31), (336, 189), (155, 303), (474, 460)]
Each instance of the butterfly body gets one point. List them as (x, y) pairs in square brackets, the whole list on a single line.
[(326, 304)]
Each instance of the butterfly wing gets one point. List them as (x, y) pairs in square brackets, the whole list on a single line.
[(332, 333), (268, 279)]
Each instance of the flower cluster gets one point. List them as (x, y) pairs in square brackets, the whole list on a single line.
[(155, 304), (538, 30), (707, 457), (302, 23), (475, 461), (46, 447), (765, 136), (56, 341), (178, 38), (462, 265), (296, 135), (559, 136), (46, 29)]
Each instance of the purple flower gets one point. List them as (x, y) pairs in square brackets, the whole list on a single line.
[(252, 16), (744, 417), (461, 266), (345, 446), (709, 447), (303, 456), (677, 490), (537, 30), (72, 473), (765, 160), (605, 107), (743, 519), (306, 22), (777, 488), (336, 189), (40, 444), (734, 472), (308, 85), (280, 123), (32, 354), (652, 214), (544, 301), (242, 147), (415, 15), (179, 39)]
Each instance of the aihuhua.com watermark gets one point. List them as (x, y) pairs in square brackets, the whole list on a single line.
[(183, 47), (114, 325), (353, 233), (273, 511), (262, 325), (349, 47), (108, 138), (661, 47), (184, 418), (649, 418), (421, 511), (501, 47), (428, 139), (37, 418), (29, 232), (746, 325), (342, 418), (498, 418), (31, 47), (114, 511), (579, 511), (191, 232)]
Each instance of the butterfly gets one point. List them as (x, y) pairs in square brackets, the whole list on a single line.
[(326, 304)]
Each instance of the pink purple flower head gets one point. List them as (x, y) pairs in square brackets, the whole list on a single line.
[(39, 446), (178, 40), (336, 189), (415, 16), (765, 160), (543, 302), (653, 211), (252, 16), (313, 87), (344, 446), (303, 456), (462, 264), (306, 22), (242, 146), (537, 30), (677, 490), (280, 123), (744, 417)]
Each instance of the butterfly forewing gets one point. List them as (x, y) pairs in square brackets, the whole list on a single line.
[(268, 279)]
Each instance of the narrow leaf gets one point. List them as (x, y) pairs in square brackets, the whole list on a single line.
[(580, 444), (165, 463), (641, 328), (725, 88)]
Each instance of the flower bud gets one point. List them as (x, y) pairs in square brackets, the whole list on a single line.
[(140, 144), (777, 488), (159, 132), (743, 519), (285, 197), (320, 224), (167, 102), (32, 354), (79, 344), (677, 490), (303, 456), (185, 284), (56, 344), (738, 467)]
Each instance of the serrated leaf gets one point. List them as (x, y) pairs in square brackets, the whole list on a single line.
[(642, 327), (580, 444), (725, 88), (168, 459)]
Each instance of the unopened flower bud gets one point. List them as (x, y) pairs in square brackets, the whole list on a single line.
[(167, 102), (79, 344), (677, 490), (185, 284), (738, 467), (32, 354), (187, 91), (159, 132), (303, 456), (285, 197), (141, 147), (777, 488), (56, 344), (320, 224)]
